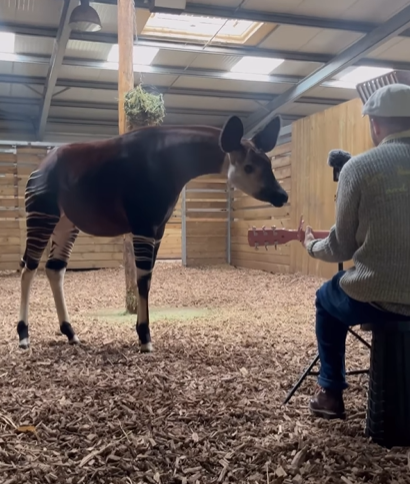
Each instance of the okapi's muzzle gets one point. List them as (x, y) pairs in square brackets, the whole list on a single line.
[(277, 197)]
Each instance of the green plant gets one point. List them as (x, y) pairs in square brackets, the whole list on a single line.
[(144, 107)]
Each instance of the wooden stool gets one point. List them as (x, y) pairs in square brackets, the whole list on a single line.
[(388, 405)]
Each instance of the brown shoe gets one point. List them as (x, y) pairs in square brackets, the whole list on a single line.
[(328, 404)]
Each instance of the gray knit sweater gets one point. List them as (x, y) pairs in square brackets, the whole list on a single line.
[(373, 226)]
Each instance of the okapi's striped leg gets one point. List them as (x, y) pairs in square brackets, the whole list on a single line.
[(40, 226), (145, 251), (62, 242)]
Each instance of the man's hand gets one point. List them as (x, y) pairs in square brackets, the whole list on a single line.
[(308, 236)]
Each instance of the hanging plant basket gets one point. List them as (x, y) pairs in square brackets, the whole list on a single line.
[(144, 106)]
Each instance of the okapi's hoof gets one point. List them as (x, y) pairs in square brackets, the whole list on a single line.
[(74, 340), (147, 348), (24, 344)]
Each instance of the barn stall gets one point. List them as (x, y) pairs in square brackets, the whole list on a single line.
[(232, 328), (230, 340)]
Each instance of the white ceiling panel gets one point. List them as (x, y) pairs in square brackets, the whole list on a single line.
[(29, 110), (155, 79), (374, 10), (333, 93), (21, 90), (229, 85), (307, 39), (26, 44), (32, 12), (276, 6), (215, 62), (90, 95), (331, 41), (88, 74), (385, 47), (294, 68), (220, 3), (79, 113), (87, 50), (191, 119), (36, 70), (363, 10), (304, 109), (317, 8), (397, 49), (289, 37), (7, 127), (6, 67), (5, 89), (196, 102), (108, 75), (166, 57), (23, 69), (80, 129)]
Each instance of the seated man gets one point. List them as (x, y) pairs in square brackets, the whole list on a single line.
[(373, 228)]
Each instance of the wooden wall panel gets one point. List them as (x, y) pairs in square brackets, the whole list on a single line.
[(206, 221), (171, 245), (9, 211), (247, 212), (89, 252), (313, 188)]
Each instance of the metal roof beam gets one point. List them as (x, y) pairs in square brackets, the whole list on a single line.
[(249, 96), (160, 70), (320, 58), (396, 24), (191, 72), (56, 61), (66, 103), (261, 16), (164, 44), (112, 86)]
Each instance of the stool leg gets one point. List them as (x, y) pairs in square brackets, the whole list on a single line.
[(301, 379), (359, 338)]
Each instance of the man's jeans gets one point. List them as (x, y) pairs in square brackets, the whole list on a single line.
[(335, 312)]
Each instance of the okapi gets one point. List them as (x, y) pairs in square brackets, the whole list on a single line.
[(131, 184)]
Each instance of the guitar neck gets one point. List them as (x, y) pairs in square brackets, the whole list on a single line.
[(318, 234), (273, 236)]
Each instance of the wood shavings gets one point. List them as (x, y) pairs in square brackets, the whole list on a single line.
[(205, 407)]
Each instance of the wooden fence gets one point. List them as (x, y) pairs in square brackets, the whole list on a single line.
[(205, 231), (313, 187), (89, 252), (247, 212)]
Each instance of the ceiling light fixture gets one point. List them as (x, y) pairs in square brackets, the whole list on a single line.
[(85, 18)]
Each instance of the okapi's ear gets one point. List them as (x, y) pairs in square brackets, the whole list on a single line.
[(267, 138), (231, 136)]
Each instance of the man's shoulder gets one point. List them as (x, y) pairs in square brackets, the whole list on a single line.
[(367, 156), (368, 160)]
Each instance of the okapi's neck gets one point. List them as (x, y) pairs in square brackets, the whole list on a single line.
[(195, 152)]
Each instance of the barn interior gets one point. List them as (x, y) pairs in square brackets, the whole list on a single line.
[(232, 325)]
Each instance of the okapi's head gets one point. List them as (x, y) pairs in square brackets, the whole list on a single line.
[(250, 169)]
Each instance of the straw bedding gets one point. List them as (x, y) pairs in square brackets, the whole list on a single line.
[(205, 407)]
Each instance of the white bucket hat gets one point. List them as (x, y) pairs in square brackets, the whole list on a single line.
[(389, 101)]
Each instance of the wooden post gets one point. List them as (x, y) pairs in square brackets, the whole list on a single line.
[(126, 22)]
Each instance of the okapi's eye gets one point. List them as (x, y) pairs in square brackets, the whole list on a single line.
[(248, 169)]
